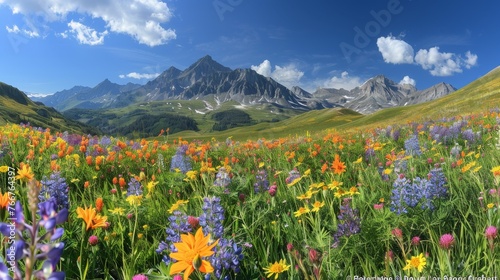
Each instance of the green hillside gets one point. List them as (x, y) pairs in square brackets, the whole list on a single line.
[(16, 107)]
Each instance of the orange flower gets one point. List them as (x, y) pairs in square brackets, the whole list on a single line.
[(89, 160), (115, 180), (91, 218), (122, 183), (99, 204), (190, 252), (324, 168), (338, 166), (4, 200), (86, 184)]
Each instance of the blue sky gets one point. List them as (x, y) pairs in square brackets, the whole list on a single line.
[(51, 45)]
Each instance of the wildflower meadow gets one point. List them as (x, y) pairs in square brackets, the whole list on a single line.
[(414, 199)]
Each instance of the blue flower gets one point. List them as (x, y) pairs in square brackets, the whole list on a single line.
[(412, 146), (134, 187), (180, 160), (261, 182), (212, 217), (178, 224), (349, 222), (222, 178), (228, 256), (55, 189)]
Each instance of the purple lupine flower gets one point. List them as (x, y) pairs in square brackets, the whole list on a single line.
[(407, 194), (178, 224), (412, 146), (261, 182), (134, 187), (222, 178), (180, 160), (55, 189), (105, 141), (396, 134), (349, 222), (399, 192), (228, 256), (438, 182), (27, 237), (369, 154), (212, 217)]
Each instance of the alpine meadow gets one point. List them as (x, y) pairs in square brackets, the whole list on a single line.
[(227, 166)]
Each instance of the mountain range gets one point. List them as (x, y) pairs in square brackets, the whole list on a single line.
[(212, 82)]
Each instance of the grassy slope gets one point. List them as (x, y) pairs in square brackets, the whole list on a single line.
[(16, 107)]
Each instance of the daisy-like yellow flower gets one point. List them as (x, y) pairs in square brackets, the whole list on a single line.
[(176, 205), (468, 166), (151, 186), (358, 160), (339, 193), (276, 268), (353, 191), (317, 205), (301, 211), (191, 175), (134, 200), (334, 185), (490, 205), (91, 218), (4, 168), (417, 262), (306, 195), (25, 174), (496, 170), (118, 211), (316, 186), (190, 253)]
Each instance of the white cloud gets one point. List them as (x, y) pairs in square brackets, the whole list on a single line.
[(140, 19), (394, 50), (86, 35), (344, 81), (16, 30), (442, 63), (408, 81), (135, 75), (264, 68), (438, 63), (471, 60), (288, 75)]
